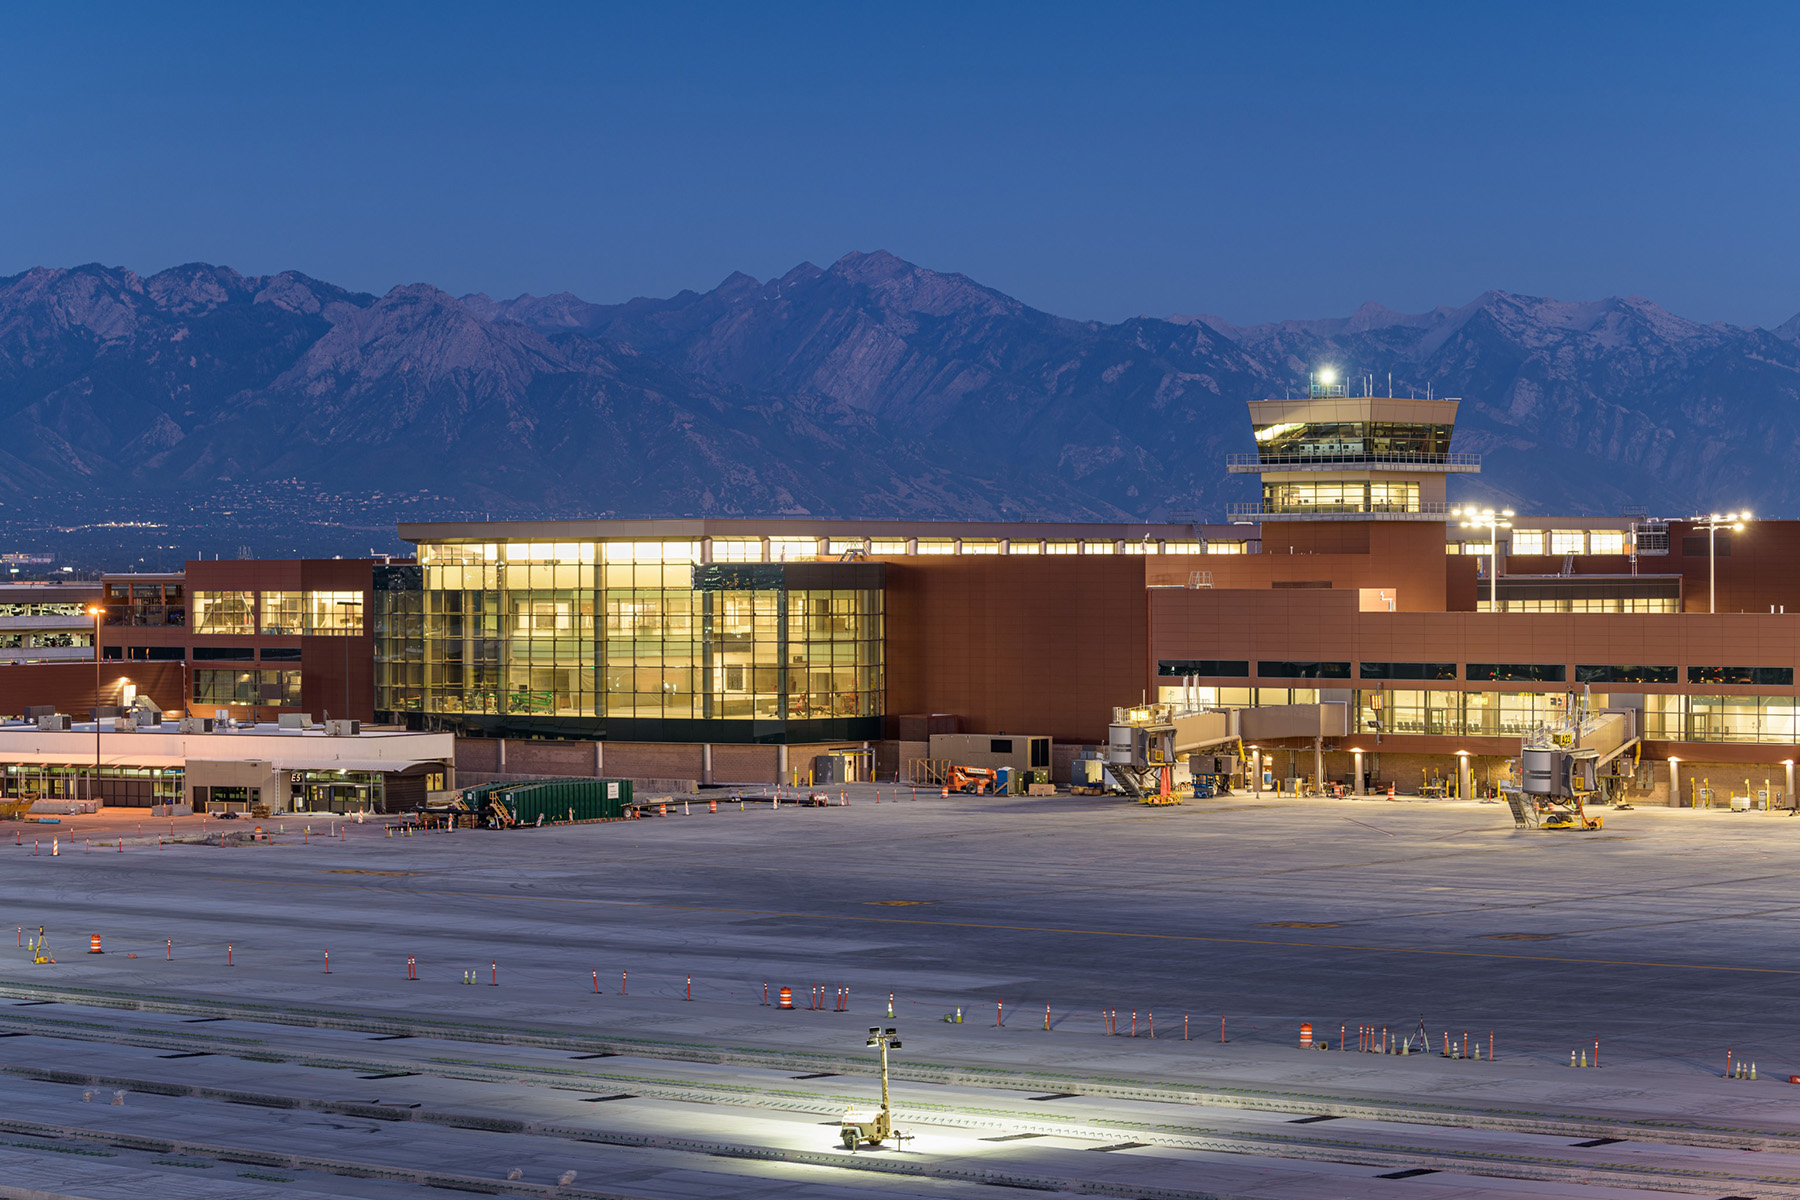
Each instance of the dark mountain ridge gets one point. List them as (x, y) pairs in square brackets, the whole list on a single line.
[(872, 387)]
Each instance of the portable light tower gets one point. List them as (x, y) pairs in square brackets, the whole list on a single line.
[(861, 1126)]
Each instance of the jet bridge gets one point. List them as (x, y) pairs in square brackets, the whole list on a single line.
[(1565, 764), (1143, 741)]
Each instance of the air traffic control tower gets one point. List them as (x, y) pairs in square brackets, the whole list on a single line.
[(1331, 456)]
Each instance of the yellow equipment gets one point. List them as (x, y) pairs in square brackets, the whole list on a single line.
[(863, 1126), (12, 810)]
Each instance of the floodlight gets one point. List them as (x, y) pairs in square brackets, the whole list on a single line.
[(1328, 375)]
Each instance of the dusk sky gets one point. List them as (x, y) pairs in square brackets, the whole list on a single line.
[(1257, 161)]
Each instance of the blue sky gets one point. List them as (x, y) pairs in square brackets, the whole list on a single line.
[(1253, 160)]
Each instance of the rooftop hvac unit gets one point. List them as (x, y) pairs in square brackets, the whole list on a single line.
[(294, 720), (342, 728), (196, 725), (34, 711), (54, 722)]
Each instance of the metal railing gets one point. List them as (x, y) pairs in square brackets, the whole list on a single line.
[(1457, 459), (1417, 510)]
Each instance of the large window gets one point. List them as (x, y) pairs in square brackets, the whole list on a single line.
[(1228, 668), (1267, 669), (1599, 673), (1527, 541), (1350, 439), (1764, 719), (224, 612), (1517, 672), (631, 630), (334, 613), (1408, 670), (1341, 497), (1606, 541), (1568, 541), (283, 612), (1751, 676), (243, 689)]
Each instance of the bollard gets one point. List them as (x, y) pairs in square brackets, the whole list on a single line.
[(1152, 1020), (121, 843), (1465, 1050), (690, 989), (1727, 1061), (1597, 1054), (1343, 1026), (1046, 1018), (494, 979), (596, 983), (169, 949), (1134, 1022), (684, 809), (622, 975), (765, 993), (999, 1012), (228, 954), (328, 962), (1490, 1045), (891, 1006), (1221, 1029)]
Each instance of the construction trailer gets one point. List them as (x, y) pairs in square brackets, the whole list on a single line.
[(1026, 755), (546, 802)]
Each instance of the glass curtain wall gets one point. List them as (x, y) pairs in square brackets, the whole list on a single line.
[(618, 630)]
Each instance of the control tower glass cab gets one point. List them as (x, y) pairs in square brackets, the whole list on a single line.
[(1331, 456)]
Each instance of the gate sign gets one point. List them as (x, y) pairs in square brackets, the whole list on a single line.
[(612, 790)]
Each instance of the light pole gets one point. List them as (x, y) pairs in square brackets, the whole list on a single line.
[(1493, 522), (1733, 521), (94, 611)]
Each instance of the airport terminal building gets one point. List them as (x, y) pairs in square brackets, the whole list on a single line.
[(735, 650)]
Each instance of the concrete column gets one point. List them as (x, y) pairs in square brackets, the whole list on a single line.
[(1358, 768), (912, 545), (1256, 772), (1464, 777), (1788, 795), (1319, 765), (1675, 783), (1006, 545), (502, 767), (781, 767), (705, 549), (706, 762), (956, 545), (599, 759)]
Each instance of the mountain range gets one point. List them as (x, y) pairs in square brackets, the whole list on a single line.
[(869, 388)]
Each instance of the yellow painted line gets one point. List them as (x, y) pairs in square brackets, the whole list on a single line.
[(1119, 933)]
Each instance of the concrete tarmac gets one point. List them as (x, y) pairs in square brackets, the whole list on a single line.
[(1662, 937)]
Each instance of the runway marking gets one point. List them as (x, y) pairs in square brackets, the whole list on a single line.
[(1118, 933)]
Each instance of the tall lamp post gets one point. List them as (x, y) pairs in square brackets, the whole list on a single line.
[(1493, 522), (95, 611), (1733, 521)]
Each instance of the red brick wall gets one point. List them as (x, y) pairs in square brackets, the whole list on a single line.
[(70, 686), (1041, 645)]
